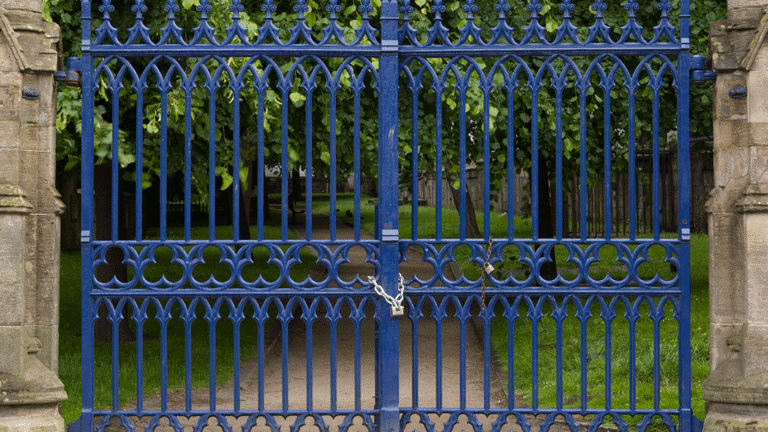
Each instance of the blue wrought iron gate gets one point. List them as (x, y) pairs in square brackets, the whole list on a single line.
[(289, 99)]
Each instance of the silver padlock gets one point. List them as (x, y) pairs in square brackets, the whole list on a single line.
[(488, 269), (396, 310)]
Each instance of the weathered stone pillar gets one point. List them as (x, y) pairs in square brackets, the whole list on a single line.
[(30, 391), (737, 390)]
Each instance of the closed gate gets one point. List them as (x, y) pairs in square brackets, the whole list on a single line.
[(254, 109)]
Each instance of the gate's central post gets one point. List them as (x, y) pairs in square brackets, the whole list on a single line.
[(389, 356)]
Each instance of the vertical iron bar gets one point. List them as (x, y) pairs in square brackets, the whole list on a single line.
[(139, 158), (415, 358), (608, 354), (308, 355), (510, 161), (559, 349), (510, 316), (236, 88), (308, 158), (260, 199), (212, 355), (332, 163), (535, 318), (657, 351), (559, 160), (656, 170), (632, 362), (188, 161), (115, 361), (115, 88), (607, 153), (188, 357), (583, 185), (284, 357), (284, 155), (212, 162), (163, 161), (684, 218), (415, 161), (236, 355), (462, 359), (359, 316), (462, 158), (438, 163), (535, 162), (584, 319), (438, 361), (389, 329), (487, 317), (357, 164), (140, 356), (163, 316), (487, 162), (332, 321), (261, 353)]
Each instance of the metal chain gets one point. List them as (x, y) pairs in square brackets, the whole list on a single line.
[(396, 303), (485, 270)]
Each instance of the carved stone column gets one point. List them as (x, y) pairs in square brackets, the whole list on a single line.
[(30, 391), (737, 390)]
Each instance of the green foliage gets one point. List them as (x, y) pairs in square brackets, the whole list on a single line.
[(66, 14)]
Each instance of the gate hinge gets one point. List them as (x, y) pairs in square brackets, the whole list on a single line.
[(85, 236), (699, 73), (685, 234), (71, 76)]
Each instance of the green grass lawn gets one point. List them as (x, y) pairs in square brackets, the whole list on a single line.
[(596, 364), (607, 265), (69, 331)]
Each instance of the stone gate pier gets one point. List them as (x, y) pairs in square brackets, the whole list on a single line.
[(30, 391), (737, 390)]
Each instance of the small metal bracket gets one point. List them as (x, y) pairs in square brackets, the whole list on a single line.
[(737, 92), (389, 46), (85, 236), (30, 93), (685, 234), (390, 235)]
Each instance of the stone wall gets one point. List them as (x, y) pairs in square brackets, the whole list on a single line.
[(737, 389), (29, 221)]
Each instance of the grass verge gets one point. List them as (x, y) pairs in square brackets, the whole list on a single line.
[(70, 328)]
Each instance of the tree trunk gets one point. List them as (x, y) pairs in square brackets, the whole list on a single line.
[(473, 231), (243, 224), (114, 267), (546, 218)]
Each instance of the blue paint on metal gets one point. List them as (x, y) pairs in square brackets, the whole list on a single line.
[(528, 80)]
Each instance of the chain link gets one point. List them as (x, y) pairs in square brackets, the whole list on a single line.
[(395, 303), (485, 270)]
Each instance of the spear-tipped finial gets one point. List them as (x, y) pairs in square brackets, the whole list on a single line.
[(534, 8), (567, 7), (502, 8), (139, 8), (470, 8), (632, 6), (599, 7), (438, 9), (106, 8), (268, 8), (171, 8), (366, 9)]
